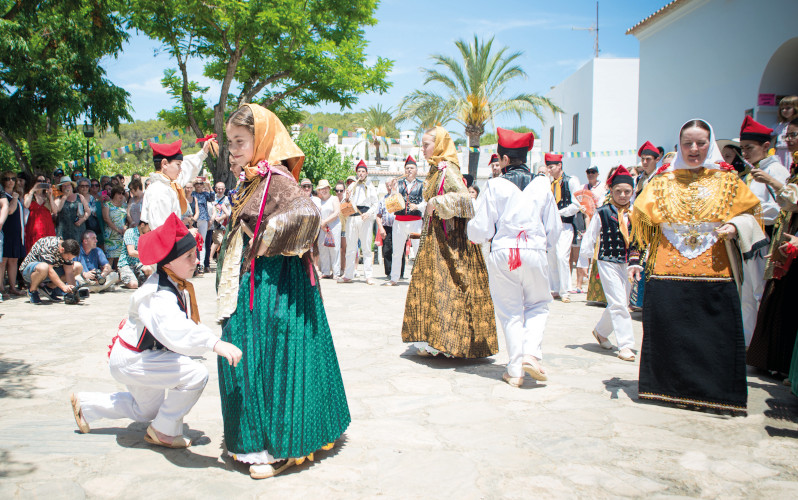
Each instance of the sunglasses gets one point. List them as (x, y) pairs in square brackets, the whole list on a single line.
[(791, 135), (95, 185), (339, 190), (6, 179), (307, 186)]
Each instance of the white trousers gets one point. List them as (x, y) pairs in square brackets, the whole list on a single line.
[(616, 317), (560, 262), (521, 298), (147, 375), (752, 289), (401, 231), (202, 227), (358, 229), (330, 257)]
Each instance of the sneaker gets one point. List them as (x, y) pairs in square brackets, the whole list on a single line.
[(200, 269), (49, 293), (34, 297)]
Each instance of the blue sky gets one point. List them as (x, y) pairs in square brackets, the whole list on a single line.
[(408, 31)]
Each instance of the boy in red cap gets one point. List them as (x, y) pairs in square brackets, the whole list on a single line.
[(611, 226), (495, 168), (165, 194), (562, 187), (755, 143), (151, 352), (516, 212), (408, 220), (360, 225), (649, 156)]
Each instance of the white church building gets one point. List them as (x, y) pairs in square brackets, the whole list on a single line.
[(599, 115), (717, 60)]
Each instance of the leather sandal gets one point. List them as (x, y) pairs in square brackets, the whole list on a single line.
[(512, 381), (83, 426), (532, 366), (178, 442), (265, 471), (604, 342)]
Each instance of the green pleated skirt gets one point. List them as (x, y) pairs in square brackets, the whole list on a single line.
[(286, 396)]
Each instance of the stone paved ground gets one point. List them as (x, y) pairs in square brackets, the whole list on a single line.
[(421, 428)]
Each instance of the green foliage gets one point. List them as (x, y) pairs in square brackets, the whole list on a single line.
[(380, 124), (283, 54), (350, 121), (50, 72), (177, 116), (323, 162)]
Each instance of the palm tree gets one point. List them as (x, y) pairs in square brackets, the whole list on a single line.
[(475, 90), (378, 122)]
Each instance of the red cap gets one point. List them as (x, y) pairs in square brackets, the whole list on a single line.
[(169, 241), (648, 149), (509, 139), (620, 176), (493, 158), (752, 130), (410, 160), (551, 158), (362, 164), (166, 150)]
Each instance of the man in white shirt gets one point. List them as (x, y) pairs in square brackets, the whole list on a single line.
[(562, 187), (517, 213), (360, 225), (409, 219), (165, 195)]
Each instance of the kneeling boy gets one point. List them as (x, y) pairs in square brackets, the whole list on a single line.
[(150, 354)]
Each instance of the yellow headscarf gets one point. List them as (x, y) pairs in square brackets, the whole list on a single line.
[(273, 143), (444, 150)]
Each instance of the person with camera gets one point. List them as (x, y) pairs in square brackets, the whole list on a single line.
[(49, 268), (96, 273), (132, 273), (40, 202)]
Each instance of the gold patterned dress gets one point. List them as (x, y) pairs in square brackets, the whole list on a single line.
[(448, 303), (693, 350)]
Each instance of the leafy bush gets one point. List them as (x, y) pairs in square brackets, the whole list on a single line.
[(322, 161)]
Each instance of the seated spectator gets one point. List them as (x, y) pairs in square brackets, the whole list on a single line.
[(50, 260), (131, 272), (96, 271)]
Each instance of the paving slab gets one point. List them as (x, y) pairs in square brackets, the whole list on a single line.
[(421, 427)]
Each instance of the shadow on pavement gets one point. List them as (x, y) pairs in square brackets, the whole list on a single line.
[(595, 348), (782, 408), (11, 468), (615, 384), (15, 378)]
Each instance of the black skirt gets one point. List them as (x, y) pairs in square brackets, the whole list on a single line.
[(693, 346), (776, 325)]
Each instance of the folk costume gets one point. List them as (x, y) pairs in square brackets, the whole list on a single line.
[(776, 326), (611, 229), (567, 205), (448, 306), (754, 264), (286, 399), (693, 349), (164, 196), (517, 211), (151, 353), (363, 196), (407, 221), (639, 286)]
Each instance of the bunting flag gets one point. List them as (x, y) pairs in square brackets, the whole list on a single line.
[(128, 148), (347, 133)]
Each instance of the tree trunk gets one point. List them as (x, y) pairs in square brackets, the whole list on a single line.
[(221, 169), (21, 160), (473, 156), (377, 153)]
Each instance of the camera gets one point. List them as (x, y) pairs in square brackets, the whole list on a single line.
[(79, 292), (139, 272), (98, 277)]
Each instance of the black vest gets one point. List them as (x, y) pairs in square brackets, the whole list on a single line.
[(416, 196), (612, 247), (518, 175), (147, 340), (565, 198)]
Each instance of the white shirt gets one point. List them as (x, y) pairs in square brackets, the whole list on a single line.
[(598, 191), (158, 311), (364, 195), (160, 199), (767, 195), (574, 207), (503, 211)]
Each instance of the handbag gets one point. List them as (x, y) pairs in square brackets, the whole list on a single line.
[(347, 208), (329, 241), (394, 203)]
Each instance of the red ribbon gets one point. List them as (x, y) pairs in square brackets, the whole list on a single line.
[(515, 254), (206, 138)]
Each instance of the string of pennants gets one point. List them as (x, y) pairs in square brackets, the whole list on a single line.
[(121, 150), (345, 133)]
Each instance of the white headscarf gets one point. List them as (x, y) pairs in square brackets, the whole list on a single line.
[(714, 156)]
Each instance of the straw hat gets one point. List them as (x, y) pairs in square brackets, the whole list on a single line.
[(66, 180), (323, 183)]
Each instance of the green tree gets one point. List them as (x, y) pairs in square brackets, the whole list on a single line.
[(323, 162), (379, 123), (51, 76), (284, 54), (476, 88), (492, 138)]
